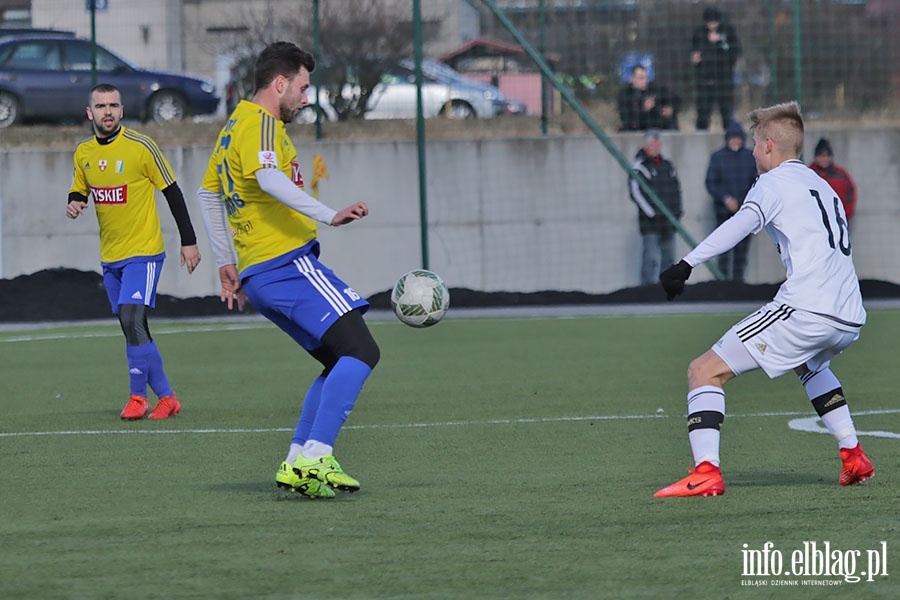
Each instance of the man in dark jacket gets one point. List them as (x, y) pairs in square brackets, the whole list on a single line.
[(644, 105), (714, 50), (657, 232), (730, 175)]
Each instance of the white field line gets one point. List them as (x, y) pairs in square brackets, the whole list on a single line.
[(803, 425), (162, 330)]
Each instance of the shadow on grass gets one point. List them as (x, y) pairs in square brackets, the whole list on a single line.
[(770, 478)]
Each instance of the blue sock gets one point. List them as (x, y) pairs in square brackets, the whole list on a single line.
[(138, 368), (308, 414), (339, 393), (159, 383)]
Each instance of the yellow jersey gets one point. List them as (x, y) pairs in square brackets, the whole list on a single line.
[(120, 175), (262, 228)]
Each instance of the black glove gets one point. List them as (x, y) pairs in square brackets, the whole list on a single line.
[(673, 279)]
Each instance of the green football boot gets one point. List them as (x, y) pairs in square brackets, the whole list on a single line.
[(308, 486), (327, 470)]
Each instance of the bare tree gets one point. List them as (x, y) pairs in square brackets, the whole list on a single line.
[(360, 41)]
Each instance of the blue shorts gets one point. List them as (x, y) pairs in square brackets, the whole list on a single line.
[(303, 298), (132, 282)]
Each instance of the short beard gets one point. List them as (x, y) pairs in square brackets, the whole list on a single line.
[(286, 114)]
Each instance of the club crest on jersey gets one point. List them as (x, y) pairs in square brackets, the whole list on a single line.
[(268, 158), (102, 164), (296, 175), (110, 195), (120, 165)]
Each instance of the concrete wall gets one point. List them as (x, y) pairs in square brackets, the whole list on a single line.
[(513, 214)]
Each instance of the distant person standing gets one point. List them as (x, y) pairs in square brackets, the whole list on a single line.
[(644, 105), (120, 169), (657, 232), (836, 176), (715, 49), (729, 176)]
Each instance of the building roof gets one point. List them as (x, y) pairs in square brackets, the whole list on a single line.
[(482, 46)]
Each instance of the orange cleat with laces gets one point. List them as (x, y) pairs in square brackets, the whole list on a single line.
[(165, 408), (856, 466), (136, 408)]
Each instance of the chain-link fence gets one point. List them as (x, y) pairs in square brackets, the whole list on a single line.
[(521, 189)]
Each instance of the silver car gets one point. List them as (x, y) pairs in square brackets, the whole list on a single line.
[(445, 93)]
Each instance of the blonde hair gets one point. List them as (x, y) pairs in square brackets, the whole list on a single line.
[(783, 123)]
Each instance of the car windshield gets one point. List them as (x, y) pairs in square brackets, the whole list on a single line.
[(78, 58), (435, 70)]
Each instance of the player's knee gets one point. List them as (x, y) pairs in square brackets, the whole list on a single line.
[(708, 369), (695, 373), (349, 336), (133, 320)]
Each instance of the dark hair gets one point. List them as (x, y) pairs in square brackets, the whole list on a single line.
[(281, 58), (711, 13), (103, 88), (824, 147)]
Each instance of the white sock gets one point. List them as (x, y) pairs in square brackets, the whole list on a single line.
[(838, 421), (840, 424), (314, 449), (293, 453), (705, 442)]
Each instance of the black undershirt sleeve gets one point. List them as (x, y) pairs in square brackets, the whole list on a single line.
[(180, 212), (76, 197)]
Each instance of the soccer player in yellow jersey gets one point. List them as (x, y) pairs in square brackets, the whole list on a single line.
[(262, 229), (120, 169)]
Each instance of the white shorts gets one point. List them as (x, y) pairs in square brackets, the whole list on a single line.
[(778, 338)]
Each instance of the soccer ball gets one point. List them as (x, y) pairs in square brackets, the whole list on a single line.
[(420, 298)]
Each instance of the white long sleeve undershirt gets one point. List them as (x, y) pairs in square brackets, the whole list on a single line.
[(216, 223), (279, 186), (271, 181), (725, 237)]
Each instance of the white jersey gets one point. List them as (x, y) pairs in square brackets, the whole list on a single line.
[(806, 221)]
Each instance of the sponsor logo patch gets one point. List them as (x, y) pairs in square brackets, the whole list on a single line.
[(110, 195), (268, 158), (296, 175)]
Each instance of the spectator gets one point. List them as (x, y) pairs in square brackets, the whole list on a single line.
[(730, 175), (644, 105), (657, 232), (714, 50), (836, 176)]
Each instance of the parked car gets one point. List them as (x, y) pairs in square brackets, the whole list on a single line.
[(46, 77), (445, 93)]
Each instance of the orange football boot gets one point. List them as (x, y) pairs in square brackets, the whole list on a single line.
[(136, 408), (165, 408), (857, 467), (705, 480)]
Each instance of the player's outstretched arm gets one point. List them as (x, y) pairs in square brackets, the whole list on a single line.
[(279, 186), (673, 278), (350, 214)]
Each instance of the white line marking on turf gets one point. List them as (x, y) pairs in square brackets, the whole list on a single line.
[(814, 425), (156, 331), (458, 424)]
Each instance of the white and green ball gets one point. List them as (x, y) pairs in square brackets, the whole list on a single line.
[(420, 298)]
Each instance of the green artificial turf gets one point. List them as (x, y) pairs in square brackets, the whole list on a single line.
[(499, 458)]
